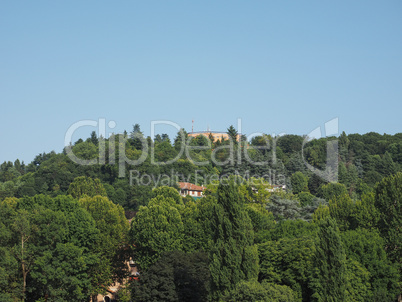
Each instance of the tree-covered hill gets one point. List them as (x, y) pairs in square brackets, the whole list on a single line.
[(267, 227), (363, 161)]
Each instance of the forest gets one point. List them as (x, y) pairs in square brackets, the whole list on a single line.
[(267, 228)]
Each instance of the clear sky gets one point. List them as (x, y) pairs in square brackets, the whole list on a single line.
[(279, 66)]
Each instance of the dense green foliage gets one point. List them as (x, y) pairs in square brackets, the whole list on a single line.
[(51, 239), (260, 292), (364, 161), (233, 255), (84, 185), (65, 233), (388, 201), (367, 248), (329, 278), (157, 228), (176, 276), (288, 261)]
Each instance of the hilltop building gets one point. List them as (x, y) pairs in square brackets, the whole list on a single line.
[(215, 134)]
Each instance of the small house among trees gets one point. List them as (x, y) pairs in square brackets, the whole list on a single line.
[(193, 190)]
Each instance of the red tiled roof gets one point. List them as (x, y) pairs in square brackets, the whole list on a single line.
[(190, 186)]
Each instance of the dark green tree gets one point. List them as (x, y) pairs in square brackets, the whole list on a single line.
[(211, 139), (136, 137), (165, 137), (180, 140), (94, 138), (233, 257), (283, 208), (329, 275), (232, 132), (176, 276), (158, 139), (388, 201)]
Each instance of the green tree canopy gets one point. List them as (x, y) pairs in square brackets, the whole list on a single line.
[(156, 228), (84, 185), (253, 291), (299, 182), (113, 227), (331, 190), (367, 248), (168, 192), (288, 261), (51, 239)]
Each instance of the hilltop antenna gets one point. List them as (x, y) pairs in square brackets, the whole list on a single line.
[(192, 126)]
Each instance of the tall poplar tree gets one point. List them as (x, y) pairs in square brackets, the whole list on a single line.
[(388, 201), (329, 275), (233, 257)]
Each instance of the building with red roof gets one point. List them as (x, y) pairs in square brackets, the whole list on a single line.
[(193, 190)]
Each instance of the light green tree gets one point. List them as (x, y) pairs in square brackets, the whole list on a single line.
[(156, 228), (253, 291), (331, 190), (288, 261), (341, 208), (113, 238), (84, 185), (49, 240), (299, 182), (167, 192), (366, 247)]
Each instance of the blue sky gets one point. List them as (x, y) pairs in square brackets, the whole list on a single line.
[(279, 66)]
